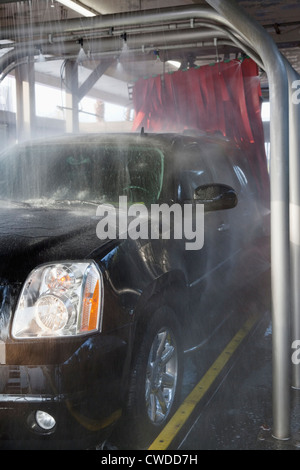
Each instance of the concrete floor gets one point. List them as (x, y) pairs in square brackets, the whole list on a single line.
[(236, 412), (241, 406), (238, 415)]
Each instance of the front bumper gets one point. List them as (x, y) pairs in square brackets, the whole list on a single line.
[(73, 429), (82, 392)]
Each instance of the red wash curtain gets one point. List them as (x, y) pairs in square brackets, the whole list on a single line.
[(225, 97)]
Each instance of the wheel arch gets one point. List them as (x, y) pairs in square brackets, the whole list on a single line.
[(169, 290)]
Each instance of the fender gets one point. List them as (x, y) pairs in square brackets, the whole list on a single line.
[(168, 289)]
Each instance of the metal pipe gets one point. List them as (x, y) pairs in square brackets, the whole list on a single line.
[(294, 138), (121, 20), (111, 45), (105, 55), (110, 22), (279, 179)]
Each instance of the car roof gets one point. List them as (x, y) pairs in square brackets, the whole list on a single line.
[(160, 139)]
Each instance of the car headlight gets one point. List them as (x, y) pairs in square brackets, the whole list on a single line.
[(60, 299)]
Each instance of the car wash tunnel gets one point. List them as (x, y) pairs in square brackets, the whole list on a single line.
[(149, 227)]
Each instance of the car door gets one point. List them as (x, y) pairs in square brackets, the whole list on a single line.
[(203, 266), (229, 220), (238, 226)]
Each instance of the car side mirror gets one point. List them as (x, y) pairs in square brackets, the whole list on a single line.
[(216, 197)]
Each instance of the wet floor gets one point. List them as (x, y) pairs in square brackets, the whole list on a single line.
[(238, 416), (236, 412), (241, 406)]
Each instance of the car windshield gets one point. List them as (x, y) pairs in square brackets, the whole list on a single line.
[(94, 172)]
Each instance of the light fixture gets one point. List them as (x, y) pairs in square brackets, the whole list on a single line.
[(78, 7)]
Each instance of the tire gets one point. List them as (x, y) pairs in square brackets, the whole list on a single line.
[(156, 378)]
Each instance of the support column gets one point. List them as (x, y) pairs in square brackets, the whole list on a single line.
[(25, 117), (72, 117)]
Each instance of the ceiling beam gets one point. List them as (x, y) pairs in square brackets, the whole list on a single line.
[(93, 78)]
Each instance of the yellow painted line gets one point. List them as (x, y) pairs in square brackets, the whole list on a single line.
[(168, 434)]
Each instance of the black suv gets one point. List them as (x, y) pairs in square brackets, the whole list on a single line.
[(97, 293)]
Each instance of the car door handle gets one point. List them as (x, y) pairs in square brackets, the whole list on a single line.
[(223, 227)]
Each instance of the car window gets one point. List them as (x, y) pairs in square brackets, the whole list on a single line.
[(194, 172), (222, 168), (99, 173)]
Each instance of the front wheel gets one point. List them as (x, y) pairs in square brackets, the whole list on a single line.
[(156, 377)]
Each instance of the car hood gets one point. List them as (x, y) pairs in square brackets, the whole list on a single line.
[(30, 236)]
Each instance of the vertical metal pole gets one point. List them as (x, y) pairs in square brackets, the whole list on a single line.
[(279, 178), (294, 136)]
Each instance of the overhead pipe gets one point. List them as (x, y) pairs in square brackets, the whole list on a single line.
[(113, 44), (204, 45), (110, 45), (121, 20), (108, 54), (110, 22)]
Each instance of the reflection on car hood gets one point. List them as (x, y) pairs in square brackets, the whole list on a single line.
[(30, 236)]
